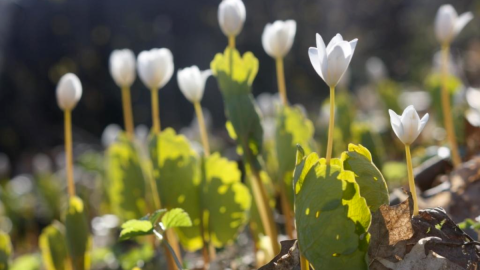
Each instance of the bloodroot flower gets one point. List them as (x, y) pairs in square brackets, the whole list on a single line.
[(332, 61), (408, 126)]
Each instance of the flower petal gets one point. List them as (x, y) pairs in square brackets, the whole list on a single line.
[(322, 55), (423, 122), (313, 55), (168, 67), (445, 23), (410, 122), (266, 39), (462, 21), (291, 26), (396, 124), (353, 44), (335, 40), (337, 64)]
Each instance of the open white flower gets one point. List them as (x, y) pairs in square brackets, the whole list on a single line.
[(408, 126), (69, 91), (122, 67), (332, 61), (155, 67), (192, 82), (231, 16), (277, 38), (448, 24)]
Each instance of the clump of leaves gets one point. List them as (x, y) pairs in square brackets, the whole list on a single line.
[(210, 190), (148, 225)]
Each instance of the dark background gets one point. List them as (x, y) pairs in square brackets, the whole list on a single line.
[(41, 40)]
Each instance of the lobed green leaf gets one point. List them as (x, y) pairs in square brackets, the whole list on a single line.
[(135, 227), (240, 106), (372, 184), (332, 218), (176, 170), (176, 218), (225, 199)]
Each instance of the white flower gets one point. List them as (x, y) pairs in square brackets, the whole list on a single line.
[(408, 126), (231, 16), (155, 67), (332, 61), (448, 24), (192, 82), (122, 67), (69, 91), (277, 38)]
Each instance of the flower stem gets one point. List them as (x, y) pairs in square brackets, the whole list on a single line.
[(304, 264), (447, 110), (177, 260), (287, 210), (331, 125), (282, 89), (203, 128), (208, 251), (127, 112), (69, 152), (155, 111), (264, 209), (173, 254), (411, 181), (231, 42)]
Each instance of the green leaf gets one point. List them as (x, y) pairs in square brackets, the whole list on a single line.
[(244, 68), (5, 250), (255, 222), (240, 106), (27, 262), (469, 224), (372, 184), (225, 199), (126, 179), (135, 227), (332, 218), (176, 170), (176, 218), (79, 241), (304, 164), (53, 246), (292, 128)]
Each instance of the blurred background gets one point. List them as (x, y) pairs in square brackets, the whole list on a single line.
[(42, 40)]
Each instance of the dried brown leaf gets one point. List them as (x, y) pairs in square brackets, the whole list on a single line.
[(287, 259)]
